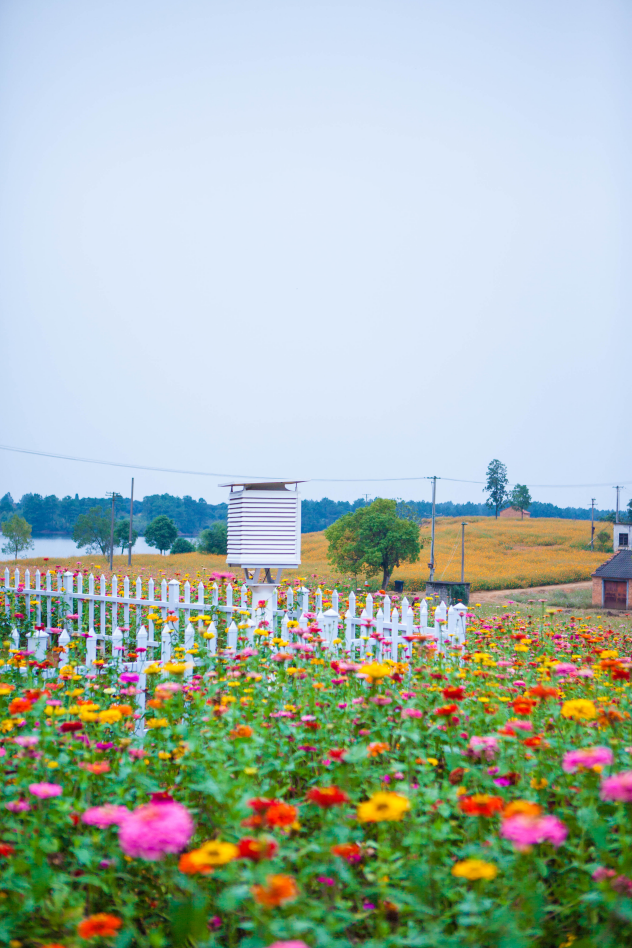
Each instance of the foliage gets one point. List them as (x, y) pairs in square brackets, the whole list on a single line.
[(93, 531), (161, 533), (182, 545), (371, 539), (496, 485), (121, 534), (603, 538), (18, 534), (323, 800), (630, 510), (214, 540), (520, 498)]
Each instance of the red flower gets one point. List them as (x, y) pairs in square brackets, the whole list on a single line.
[(70, 726), (261, 804), (523, 706), (101, 925), (257, 849), (445, 710), (281, 814), (327, 796), (352, 852), (19, 706), (6, 849), (452, 693), (337, 753), (481, 804)]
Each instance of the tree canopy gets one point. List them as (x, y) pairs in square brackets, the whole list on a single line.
[(121, 534), (496, 485), (371, 539), (214, 539), (18, 534), (92, 530), (520, 498), (161, 533)]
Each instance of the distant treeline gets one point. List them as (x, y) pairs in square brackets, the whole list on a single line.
[(56, 516)]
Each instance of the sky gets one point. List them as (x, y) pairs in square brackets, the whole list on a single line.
[(338, 241)]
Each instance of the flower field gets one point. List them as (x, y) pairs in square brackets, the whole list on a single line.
[(500, 554), (292, 795)]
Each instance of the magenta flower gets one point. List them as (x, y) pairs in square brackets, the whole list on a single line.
[(587, 757), (129, 678), (565, 668), (288, 944), (45, 790), (18, 806), (525, 831), (151, 831), (102, 816), (617, 787)]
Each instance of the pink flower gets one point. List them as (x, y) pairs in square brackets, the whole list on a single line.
[(411, 713), (486, 747), (45, 790), (26, 740), (152, 830), (288, 944), (129, 678), (525, 831), (617, 787), (565, 668), (587, 757), (520, 725), (102, 816), (18, 806), (136, 752)]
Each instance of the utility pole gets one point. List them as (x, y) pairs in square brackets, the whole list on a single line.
[(431, 564), (463, 526), (592, 524), (618, 489), (131, 520), (113, 495)]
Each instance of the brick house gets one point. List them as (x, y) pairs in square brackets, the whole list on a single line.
[(510, 513), (612, 582)]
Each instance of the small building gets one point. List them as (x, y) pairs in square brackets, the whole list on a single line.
[(612, 582), (621, 536), (510, 513), (448, 592)]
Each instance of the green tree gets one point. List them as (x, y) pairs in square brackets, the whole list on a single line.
[(520, 498), (630, 510), (161, 533), (608, 518), (373, 538), (214, 539), (496, 485), (7, 506), (603, 539), (18, 534), (182, 545), (92, 530), (121, 534)]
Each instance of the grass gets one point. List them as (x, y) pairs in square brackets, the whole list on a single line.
[(500, 554)]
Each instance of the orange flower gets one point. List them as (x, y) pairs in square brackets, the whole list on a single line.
[(523, 706), (446, 710), (154, 703), (19, 706), (256, 849), (536, 741), (481, 804), (327, 796), (352, 852), (281, 814), (124, 709), (100, 767), (242, 730), (191, 866), (376, 748), (279, 890), (521, 808), (101, 925), (540, 691)]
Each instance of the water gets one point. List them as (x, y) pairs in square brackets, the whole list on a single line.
[(57, 547)]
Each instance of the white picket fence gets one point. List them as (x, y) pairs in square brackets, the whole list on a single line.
[(387, 633)]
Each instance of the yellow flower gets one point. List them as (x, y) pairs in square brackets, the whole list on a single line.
[(581, 709), (110, 716), (157, 722), (153, 669), (475, 869), (214, 853), (177, 668), (383, 806), (375, 671), (7, 725), (539, 784)]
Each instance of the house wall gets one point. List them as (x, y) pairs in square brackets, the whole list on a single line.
[(597, 591), (626, 530)]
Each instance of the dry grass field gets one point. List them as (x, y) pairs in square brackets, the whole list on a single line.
[(499, 554)]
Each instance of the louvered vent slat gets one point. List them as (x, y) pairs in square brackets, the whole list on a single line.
[(264, 528)]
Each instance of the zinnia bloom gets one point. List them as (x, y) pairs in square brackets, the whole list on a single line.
[(587, 757), (581, 709), (45, 790), (288, 944), (208, 855), (352, 852), (483, 747), (278, 890), (453, 693), (256, 849), (242, 730), (475, 869), (327, 796), (525, 831), (99, 926), (480, 804), (375, 748), (522, 808), (281, 814), (102, 816), (617, 787), (383, 806), (152, 830)]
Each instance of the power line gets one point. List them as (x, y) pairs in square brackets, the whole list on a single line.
[(260, 477)]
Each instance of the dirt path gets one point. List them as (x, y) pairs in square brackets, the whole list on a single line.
[(533, 592)]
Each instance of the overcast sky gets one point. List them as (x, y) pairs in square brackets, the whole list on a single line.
[(383, 238)]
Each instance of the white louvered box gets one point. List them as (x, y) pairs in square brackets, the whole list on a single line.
[(264, 525)]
